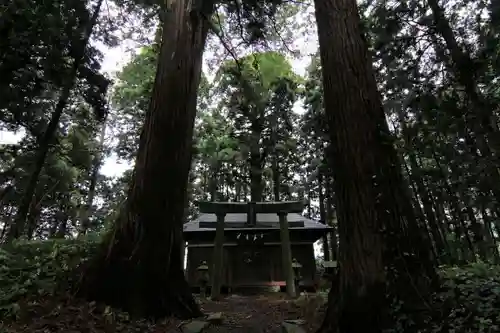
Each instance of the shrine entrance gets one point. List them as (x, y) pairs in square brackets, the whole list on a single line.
[(250, 244), (250, 263)]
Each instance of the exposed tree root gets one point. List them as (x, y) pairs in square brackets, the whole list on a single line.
[(370, 308), (145, 279)]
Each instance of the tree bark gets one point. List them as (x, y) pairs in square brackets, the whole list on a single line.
[(330, 221), (383, 254), (96, 165), (421, 193), (275, 163), (482, 119), (322, 214), (4, 192), (479, 116), (213, 183), (256, 168), (450, 181), (276, 178), (139, 268), (245, 190)]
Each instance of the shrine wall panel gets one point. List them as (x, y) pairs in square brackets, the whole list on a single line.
[(251, 265)]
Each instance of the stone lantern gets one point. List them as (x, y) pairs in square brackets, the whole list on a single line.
[(330, 269), (296, 266), (203, 277)]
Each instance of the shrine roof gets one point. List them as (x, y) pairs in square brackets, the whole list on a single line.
[(237, 221)]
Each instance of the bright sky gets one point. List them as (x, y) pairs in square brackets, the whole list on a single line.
[(116, 58)]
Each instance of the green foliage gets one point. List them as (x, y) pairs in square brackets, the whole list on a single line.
[(469, 301), (33, 77), (62, 186), (265, 22), (471, 297), (259, 93), (131, 98), (33, 73), (31, 269), (261, 70)]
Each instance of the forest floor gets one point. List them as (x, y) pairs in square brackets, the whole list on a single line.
[(263, 313), (33, 299), (249, 314)]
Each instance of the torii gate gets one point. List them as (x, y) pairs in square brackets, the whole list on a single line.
[(282, 209)]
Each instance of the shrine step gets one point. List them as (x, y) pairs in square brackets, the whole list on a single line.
[(277, 286), (255, 289)]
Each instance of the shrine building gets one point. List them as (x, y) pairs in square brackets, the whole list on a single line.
[(252, 247)]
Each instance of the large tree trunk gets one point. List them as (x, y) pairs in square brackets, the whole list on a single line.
[(213, 182), (139, 268), (256, 189), (276, 178), (256, 167), (383, 255)]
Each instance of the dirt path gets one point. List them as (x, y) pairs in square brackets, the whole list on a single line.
[(252, 314), (242, 314)]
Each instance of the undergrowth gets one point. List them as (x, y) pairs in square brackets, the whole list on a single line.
[(39, 268), (469, 300)]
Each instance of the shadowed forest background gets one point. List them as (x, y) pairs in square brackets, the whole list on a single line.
[(390, 136)]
